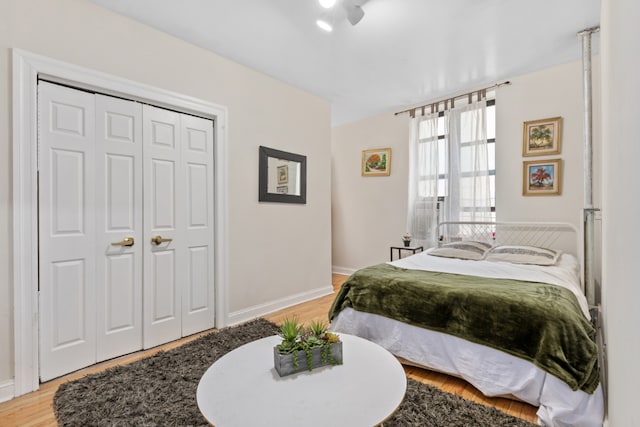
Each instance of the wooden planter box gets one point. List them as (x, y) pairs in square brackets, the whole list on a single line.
[(284, 362)]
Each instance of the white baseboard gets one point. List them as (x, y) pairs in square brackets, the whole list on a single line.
[(6, 390), (256, 311), (336, 269)]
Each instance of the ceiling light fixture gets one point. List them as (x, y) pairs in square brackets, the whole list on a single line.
[(327, 4), (354, 10), (324, 25)]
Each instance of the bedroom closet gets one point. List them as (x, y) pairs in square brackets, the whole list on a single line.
[(126, 230)]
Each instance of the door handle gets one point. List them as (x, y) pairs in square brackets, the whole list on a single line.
[(127, 241), (156, 240)]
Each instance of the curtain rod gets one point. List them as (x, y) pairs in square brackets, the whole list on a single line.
[(481, 93)]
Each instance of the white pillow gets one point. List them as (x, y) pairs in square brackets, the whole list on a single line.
[(523, 255), (464, 250)]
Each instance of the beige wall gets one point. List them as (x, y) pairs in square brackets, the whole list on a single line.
[(369, 214), (621, 206), (275, 250), (552, 92)]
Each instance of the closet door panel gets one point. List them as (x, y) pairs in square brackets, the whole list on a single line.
[(66, 230), (197, 293), (164, 242), (163, 189), (164, 280), (118, 210)]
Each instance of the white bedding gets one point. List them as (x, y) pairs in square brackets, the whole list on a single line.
[(493, 372)]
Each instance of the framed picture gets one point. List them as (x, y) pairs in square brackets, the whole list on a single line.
[(542, 137), (283, 174), (376, 162), (542, 177), (282, 189)]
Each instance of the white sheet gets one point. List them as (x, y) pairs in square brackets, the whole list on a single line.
[(491, 371), (564, 273)]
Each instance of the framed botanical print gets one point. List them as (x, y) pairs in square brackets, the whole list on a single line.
[(542, 137)]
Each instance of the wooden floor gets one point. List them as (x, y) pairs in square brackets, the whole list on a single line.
[(36, 409)]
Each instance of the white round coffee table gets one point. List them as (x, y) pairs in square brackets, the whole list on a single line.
[(243, 389)]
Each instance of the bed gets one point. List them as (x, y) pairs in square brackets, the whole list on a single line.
[(500, 305)]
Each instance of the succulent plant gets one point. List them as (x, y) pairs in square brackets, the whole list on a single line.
[(318, 327), (290, 329), (297, 338)]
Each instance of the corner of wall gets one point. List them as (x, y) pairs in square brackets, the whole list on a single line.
[(6, 391), (336, 269)]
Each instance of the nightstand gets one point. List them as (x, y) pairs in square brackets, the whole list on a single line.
[(412, 249)]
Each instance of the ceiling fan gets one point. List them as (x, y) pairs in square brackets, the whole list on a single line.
[(353, 8)]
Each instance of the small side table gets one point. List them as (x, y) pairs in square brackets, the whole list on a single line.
[(413, 249)]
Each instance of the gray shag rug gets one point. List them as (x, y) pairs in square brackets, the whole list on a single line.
[(161, 391)]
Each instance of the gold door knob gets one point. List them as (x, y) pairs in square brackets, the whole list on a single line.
[(127, 241), (156, 240)]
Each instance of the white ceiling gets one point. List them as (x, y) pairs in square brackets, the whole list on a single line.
[(402, 53)]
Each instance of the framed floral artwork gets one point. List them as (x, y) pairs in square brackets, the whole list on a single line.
[(542, 137), (542, 177), (376, 162)]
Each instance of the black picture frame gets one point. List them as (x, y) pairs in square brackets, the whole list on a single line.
[(263, 171)]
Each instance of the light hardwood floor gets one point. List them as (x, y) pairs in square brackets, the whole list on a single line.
[(36, 409)]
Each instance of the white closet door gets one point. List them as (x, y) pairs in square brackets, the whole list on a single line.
[(164, 200), (197, 285), (119, 244), (126, 227), (66, 230)]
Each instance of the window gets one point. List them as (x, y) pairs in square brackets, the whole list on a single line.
[(465, 168)]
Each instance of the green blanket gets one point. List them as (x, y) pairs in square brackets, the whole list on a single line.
[(537, 322)]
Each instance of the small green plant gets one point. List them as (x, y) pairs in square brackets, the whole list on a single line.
[(296, 337), (290, 332), (290, 329), (318, 327)]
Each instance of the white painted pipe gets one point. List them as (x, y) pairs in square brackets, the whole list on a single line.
[(589, 211)]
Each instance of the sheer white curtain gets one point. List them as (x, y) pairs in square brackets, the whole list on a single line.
[(468, 195), (423, 179), (448, 158)]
